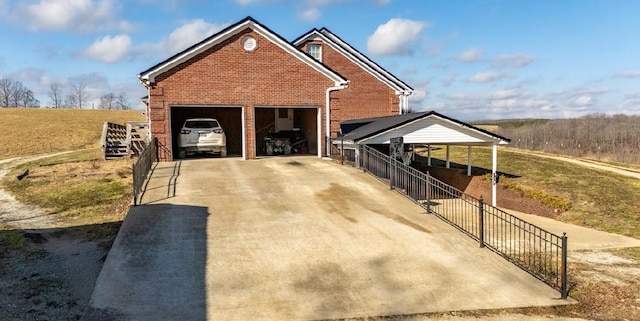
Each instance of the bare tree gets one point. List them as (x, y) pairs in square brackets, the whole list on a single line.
[(55, 94), (107, 101), (609, 137), (78, 95), (6, 86), (27, 99), (122, 102), (15, 94)]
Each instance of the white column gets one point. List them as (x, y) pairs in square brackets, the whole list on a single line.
[(448, 161), (428, 155), (357, 156), (469, 161), (494, 174)]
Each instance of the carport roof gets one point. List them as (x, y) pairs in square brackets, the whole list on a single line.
[(418, 128), (248, 22)]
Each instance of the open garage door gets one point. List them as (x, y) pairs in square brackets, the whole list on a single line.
[(230, 118), (277, 125)]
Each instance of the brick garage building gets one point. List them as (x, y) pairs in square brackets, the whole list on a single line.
[(255, 82)]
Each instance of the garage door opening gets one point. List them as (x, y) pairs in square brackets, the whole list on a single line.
[(286, 130), (230, 118)]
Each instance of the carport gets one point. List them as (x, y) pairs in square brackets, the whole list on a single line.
[(426, 128), (230, 117)]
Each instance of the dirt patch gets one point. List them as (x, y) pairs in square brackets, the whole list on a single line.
[(48, 270), (477, 187), (51, 279), (508, 198)]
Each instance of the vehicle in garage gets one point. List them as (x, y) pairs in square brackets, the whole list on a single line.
[(202, 135), (285, 142)]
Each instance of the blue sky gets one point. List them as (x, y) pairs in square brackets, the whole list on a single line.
[(471, 60)]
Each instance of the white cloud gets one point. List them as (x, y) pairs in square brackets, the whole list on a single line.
[(309, 14), (108, 49), (74, 15), (471, 55), (381, 2), (489, 76), (581, 101), (517, 60), (418, 96), (394, 37), (184, 36), (629, 74)]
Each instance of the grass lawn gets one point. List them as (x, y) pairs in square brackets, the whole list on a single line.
[(598, 199)]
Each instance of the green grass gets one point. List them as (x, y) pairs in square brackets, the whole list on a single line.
[(11, 239), (74, 200), (598, 199)]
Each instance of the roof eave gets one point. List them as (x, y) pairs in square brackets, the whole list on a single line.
[(151, 73)]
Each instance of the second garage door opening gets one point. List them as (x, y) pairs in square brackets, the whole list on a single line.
[(285, 131)]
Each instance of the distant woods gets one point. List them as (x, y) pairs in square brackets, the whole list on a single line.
[(614, 138), (14, 93)]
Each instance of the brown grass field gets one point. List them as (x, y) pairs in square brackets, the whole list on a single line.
[(29, 131)]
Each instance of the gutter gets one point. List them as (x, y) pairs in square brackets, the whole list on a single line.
[(328, 115)]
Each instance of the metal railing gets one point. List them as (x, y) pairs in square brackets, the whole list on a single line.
[(142, 166), (535, 250)]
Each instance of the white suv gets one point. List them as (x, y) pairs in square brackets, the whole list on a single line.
[(202, 135)]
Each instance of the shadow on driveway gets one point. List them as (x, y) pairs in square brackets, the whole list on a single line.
[(156, 267)]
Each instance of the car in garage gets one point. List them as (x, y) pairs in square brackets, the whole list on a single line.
[(202, 135)]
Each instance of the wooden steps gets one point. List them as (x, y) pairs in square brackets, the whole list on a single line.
[(123, 140)]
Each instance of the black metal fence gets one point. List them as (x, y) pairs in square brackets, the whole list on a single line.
[(142, 166), (536, 250)]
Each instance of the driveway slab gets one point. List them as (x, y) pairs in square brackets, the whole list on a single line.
[(294, 238)]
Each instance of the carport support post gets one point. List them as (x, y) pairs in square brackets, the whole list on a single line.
[(494, 174), (448, 162), (469, 161)]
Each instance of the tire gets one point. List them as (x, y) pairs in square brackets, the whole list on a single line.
[(223, 153), (182, 152)]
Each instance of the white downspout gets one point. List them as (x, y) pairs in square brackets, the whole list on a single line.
[(328, 116), (406, 100)]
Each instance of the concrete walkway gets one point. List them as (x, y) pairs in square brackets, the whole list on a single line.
[(293, 239)]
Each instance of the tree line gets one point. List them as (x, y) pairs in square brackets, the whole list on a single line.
[(14, 93), (606, 137)]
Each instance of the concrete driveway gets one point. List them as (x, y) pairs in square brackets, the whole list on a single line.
[(293, 239)]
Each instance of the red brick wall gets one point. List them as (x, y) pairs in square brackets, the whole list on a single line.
[(226, 74), (365, 97)]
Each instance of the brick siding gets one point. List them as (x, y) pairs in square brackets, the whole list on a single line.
[(227, 75)]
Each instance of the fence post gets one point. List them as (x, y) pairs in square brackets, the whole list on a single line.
[(135, 185), (563, 287), (392, 174), (481, 220), (155, 143), (428, 190)]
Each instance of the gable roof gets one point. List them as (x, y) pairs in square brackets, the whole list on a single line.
[(358, 58), (369, 128), (246, 23)]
